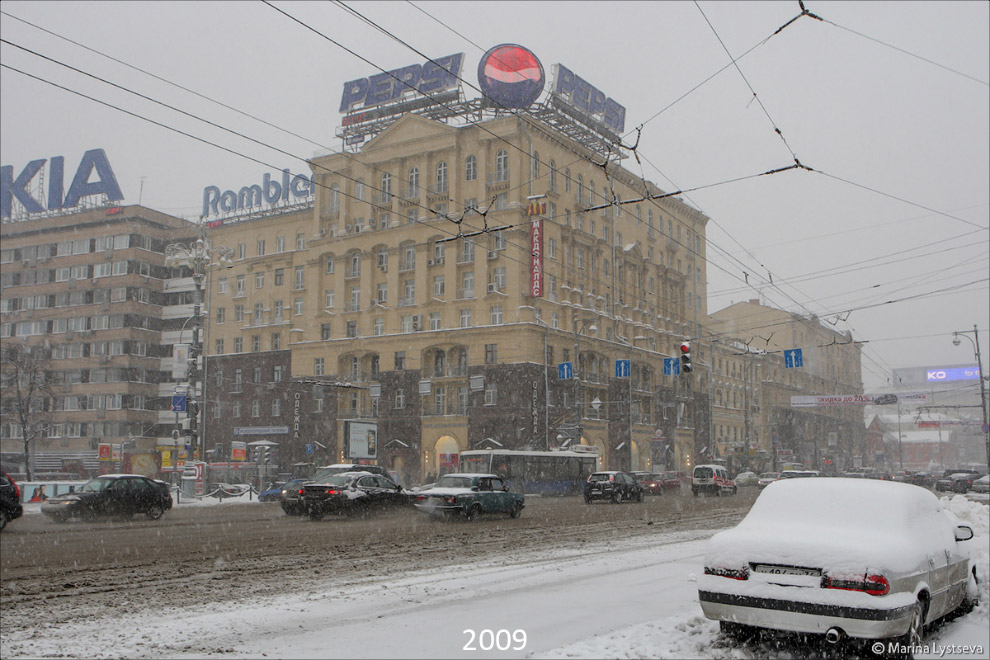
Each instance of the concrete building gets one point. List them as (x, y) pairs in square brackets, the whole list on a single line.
[(405, 298), (91, 286)]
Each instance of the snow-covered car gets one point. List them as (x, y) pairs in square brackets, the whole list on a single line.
[(767, 478), (799, 474), (746, 479), (115, 495), (470, 495), (350, 493), (981, 485), (852, 558)]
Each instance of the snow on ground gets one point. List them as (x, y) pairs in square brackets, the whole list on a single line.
[(621, 599)]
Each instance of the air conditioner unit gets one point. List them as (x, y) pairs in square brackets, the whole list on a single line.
[(416, 322), (439, 261), (431, 262), (492, 254), (383, 267), (492, 288)]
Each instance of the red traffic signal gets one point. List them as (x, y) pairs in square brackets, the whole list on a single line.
[(686, 357)]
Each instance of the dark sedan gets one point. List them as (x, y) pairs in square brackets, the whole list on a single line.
[(613, 486), (111, 495), (291, 497), (350, 493), (10, 499), (657, 483)]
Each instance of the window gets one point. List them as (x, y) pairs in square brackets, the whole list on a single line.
[(352, 329), (378, 327), (412, 181), (553, 176), (331, 266), (300, 241), (552, 248), (238, 312), (406, 323), (219, 346), (355, 305), (238, 344), (238, 381), (300, 282), (297, 307), (222, 285), (400, 399), (255, 343), (261, 247), (277, 310), (498, 278), (325, 331), (502, 165), (318, 366), (491, 394), (255, 408), (400, 360), (499, 240), (441, 177), (221, 315), (438, 286), (465, 318), (256, 375), (236, 412), (386, 194), (409, 257), (491, 353), (435, 321), (277, 373), (381, 292), (276, 407), (470, 168), (280, 244), (328, 299), (359, 189), (334, 198), (259, 314), (239, 286), (276, 341), (259, 280)]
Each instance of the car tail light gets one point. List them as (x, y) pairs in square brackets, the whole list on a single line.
[(302, 491), (450, 499), (611, 477), (734, 573), (875, 585), (332, 491)]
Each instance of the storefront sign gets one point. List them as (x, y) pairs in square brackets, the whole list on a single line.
[(261, 430), (238, 450), (536, 257)]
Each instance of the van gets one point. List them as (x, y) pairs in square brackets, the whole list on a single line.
[(712, 479)]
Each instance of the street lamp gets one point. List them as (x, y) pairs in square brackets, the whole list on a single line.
[(979, 370), (197, 256)]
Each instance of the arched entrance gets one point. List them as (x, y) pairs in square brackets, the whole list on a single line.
[(446, 456), (600, 445)]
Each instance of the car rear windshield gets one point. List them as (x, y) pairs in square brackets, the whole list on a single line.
[(600, 477), (453, 481), (703, 473)]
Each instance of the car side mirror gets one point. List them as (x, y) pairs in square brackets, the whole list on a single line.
[(505, 489), (475, 489), (964, 532)]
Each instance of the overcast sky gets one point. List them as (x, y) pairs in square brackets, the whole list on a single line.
[(886, 101)]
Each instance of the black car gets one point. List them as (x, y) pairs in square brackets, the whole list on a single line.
[(614, 486), (111, 495), (291, 497), (957, 480), (10, 500), (352, 492)]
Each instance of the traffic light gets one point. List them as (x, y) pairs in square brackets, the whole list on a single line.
[(685, 357)]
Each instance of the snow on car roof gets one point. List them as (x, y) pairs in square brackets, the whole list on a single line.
[(470, 475)]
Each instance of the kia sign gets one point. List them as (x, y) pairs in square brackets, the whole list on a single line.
[(511, 76), (94, 160), (428, 78), (946, 375)]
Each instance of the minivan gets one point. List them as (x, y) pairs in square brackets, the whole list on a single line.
[(712, 479)]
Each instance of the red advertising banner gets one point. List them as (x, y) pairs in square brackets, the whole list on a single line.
[(536, 258), (104, 451)]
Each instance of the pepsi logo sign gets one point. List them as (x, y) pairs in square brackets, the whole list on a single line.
[(511, 76)]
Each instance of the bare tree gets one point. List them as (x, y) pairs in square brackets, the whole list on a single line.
[(28, 391)]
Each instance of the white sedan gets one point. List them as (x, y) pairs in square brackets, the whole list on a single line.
[(841, 557)]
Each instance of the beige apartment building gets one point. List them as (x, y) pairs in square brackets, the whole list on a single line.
[(404, 298), (755, 424)]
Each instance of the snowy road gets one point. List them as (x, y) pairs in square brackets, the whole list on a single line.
[(631, 597)]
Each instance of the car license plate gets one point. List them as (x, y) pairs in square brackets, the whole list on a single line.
[(596, 490), (775, 569)]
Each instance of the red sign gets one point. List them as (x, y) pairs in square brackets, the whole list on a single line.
[(104, 451), (536, 258), (922, 424)]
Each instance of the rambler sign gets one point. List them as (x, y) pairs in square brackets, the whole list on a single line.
[(292, 188)]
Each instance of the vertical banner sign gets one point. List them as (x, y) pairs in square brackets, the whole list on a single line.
[(238, 450), (180, 361), (536, 258)]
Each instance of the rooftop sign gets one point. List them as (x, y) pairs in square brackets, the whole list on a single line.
[(432, 76), (511, 76), (582, 95), (81, 186)]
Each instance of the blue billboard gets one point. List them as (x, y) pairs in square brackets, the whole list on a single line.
[(956, 373)]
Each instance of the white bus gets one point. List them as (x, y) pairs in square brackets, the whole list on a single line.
[(560, 472)]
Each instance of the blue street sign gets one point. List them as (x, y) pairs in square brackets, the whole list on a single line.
[(622, 368), (671, 366), (565, 370), (793, 358), (310, 448), (178, 403)]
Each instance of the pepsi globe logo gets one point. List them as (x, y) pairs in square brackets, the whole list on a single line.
[(511, 76)]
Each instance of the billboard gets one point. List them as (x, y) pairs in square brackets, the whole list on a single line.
[(94, 160), (511, 76), (588, 99), (428, 78), (361, 439), (908, 398)]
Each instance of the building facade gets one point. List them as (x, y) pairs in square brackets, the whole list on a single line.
[(405, 298), (91, 288)]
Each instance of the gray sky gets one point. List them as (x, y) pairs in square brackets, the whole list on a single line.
[(897, 208)]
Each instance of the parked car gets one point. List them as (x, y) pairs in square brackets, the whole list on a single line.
[(614, 486), (350, 493), (712, 479), (117, 495), (470, 495), (982, 485), (767, 478), (870, 560), (923, 479), (290, 497), (798, 474), (746, 479), (10, 500), (673, 480), (957, 480)]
